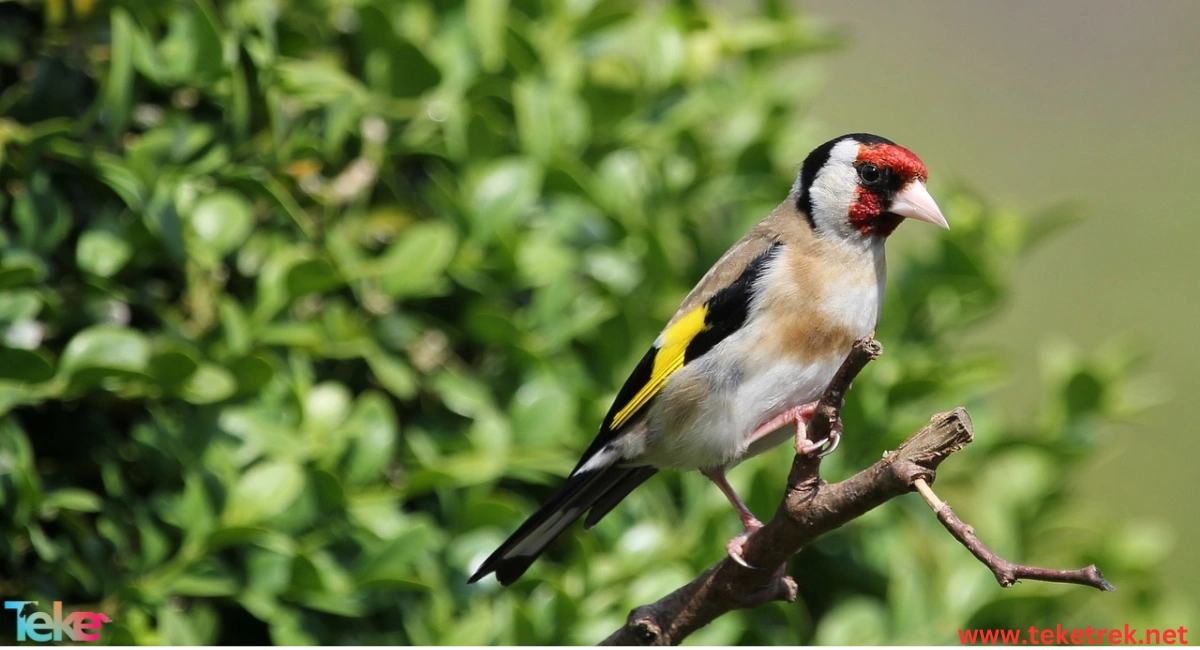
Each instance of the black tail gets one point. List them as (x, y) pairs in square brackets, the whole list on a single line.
[(600, 490)]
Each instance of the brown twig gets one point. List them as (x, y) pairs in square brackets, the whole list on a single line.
[(809, 509), (1007, 573)]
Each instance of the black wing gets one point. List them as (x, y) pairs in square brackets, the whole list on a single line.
[(602, 487)]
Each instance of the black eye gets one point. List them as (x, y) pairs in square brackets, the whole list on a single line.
[(869, 173)]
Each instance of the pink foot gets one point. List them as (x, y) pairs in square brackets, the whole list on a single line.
[(798, 415), (749, 521), (734, 547), (824, 447)]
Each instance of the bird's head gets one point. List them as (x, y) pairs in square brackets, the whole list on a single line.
[(861, 186)]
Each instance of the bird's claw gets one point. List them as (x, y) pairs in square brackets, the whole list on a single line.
[(824, 447), (734, 546)]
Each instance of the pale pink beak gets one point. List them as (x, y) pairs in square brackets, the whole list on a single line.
[(914, 202)]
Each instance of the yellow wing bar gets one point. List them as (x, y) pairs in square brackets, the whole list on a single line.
[(667, 360)]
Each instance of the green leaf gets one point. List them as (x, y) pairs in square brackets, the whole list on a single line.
[(162, 219), (311, 276), (415, 263), (42, 217), (393, 374), (208, 384), (221, 221), (29, 366), (118, 91), (378, 512), (395, 561), (193, 508), (374, 432), (121, 179), (210, 584), (102, 252), (42, 545), (412, 73), (326, 405), (19, 304), (542, 260), (857, 621), (13, 394), (316, 82), (464, 394), (272, 281), (333, 603), (252, 373), (265, 490), (192, 50), (288, 631), (502, 193), (106, 348), (197, 625), (20, 268), (72, 499), (173, 365), (487, 21), (541, 411), (550, 119), (268, 571)]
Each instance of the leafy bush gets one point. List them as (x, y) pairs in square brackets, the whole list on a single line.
[(305, 305)]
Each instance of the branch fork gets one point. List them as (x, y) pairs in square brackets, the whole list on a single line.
[(811, 507)]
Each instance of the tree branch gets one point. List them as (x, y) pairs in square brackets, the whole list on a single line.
[(1007, 573), (810, 508)]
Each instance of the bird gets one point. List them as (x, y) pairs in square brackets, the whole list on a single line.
[(740, 366)]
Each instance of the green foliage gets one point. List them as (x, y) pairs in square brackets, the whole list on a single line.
[(305, 305)]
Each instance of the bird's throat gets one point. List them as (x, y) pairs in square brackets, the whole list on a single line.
[(883, 225)]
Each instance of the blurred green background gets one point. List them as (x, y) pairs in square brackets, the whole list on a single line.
[(304, 306)]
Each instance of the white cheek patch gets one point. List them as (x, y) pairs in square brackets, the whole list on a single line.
[(835, 186)]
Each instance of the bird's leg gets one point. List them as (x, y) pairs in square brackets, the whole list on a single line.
[(747, 517), (800, 415), (749, 521)]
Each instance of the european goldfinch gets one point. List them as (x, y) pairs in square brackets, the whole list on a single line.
[(752, 346)]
